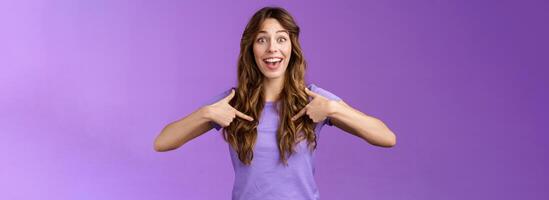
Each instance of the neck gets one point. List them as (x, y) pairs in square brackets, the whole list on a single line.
[(273, 88)]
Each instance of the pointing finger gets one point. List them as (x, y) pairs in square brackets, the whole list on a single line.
[(299, 114), (243, 116)]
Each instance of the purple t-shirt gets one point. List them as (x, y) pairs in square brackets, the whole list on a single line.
[(266, 178)]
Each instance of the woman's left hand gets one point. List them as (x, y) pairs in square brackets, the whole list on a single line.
[(318, 109)]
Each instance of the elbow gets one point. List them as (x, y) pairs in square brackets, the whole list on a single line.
[(391, 142), (159, 147), (390, 138), (163, 147), (159, 144), (386, 137), (388, 142)]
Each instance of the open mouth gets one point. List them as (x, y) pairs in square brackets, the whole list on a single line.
[(272, 63)]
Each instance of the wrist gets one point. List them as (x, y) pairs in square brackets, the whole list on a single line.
[(334, 108), (204, 113)]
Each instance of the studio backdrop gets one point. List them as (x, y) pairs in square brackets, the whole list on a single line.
[(86, 86)]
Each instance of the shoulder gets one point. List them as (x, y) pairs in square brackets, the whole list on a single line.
[(219, 95), (325, 93)]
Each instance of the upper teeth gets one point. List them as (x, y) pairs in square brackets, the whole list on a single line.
[(273, 59)]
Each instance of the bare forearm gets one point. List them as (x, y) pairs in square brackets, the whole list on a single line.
[(181, 131), (369, 128)]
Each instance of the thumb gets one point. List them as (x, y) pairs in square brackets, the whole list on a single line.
[(230, 96), (310, 93)]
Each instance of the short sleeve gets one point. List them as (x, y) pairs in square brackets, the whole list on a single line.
[(214, 99), (326, 94)]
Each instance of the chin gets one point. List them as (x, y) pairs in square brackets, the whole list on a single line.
[(273, 75)]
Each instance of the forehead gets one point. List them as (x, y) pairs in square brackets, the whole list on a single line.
[(271, 26)]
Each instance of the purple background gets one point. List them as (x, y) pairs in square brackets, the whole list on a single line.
[(85, 87)]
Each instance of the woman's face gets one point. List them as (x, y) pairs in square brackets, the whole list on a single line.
[(272, 49)]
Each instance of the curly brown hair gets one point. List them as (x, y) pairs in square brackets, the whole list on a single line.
[(249, 97)]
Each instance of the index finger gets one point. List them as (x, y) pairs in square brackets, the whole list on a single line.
[(299, 114), (243, 116)]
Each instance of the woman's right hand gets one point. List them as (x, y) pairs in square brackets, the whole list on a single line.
[(223, 113)]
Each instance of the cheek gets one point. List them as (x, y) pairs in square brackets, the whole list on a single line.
[(288, 52), (287, 47), (257, 53)]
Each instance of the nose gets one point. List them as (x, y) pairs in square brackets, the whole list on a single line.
[(272, 47)]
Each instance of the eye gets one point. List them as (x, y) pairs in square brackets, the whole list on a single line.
[(261, 40), (282, 39)]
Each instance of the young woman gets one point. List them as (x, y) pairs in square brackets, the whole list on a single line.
[(272, 120)]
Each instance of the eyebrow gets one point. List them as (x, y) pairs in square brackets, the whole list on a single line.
[(284, 31)]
